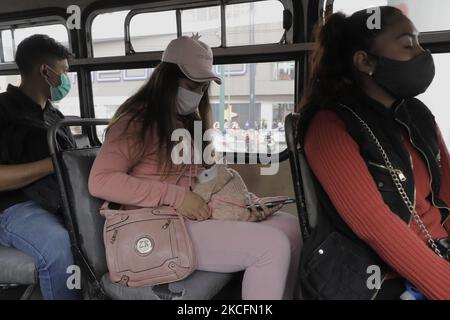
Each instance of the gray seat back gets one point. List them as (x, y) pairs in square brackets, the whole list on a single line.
[(82, 141), (88, 223), (303, 178)]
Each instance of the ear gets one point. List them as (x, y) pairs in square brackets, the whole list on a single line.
[(43, 70), (363, 62)]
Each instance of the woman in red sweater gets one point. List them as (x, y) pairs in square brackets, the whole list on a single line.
[(376, 71)]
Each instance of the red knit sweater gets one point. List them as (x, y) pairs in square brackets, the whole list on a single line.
[(336, 161)]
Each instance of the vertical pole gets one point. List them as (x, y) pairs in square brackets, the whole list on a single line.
[(13, 38), (2, 57), (222, 98), (252, 106), (179, 26)]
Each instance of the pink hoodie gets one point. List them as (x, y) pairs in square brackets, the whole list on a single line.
[(116, 177)]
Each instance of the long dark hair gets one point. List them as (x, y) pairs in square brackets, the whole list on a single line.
[(331, 64), (154, 108)]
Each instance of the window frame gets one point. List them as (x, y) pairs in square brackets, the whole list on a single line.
[(16, 24), (34, 19), (134, 12), (178, 7)]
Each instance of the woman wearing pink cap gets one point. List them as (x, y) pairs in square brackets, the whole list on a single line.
[(134, 168)]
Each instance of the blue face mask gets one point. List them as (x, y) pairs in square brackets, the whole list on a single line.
[(60, 91)]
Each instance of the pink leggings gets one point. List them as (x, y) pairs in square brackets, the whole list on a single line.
[(268, 251)]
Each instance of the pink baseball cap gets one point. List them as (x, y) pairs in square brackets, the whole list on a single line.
[(193, 57)]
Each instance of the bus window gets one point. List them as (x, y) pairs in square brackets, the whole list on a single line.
[(10, 79), (111, 88), (205, 21), (152, 31), (108, 34), (12, 38), (246, 24), (56, 31), (254, 23), (436, 96), (248, 113), (8, 45), (431, 15)]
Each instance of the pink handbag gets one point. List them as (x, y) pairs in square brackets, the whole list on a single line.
[(147, 246)]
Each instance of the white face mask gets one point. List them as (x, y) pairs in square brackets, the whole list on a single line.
[(188, 101)]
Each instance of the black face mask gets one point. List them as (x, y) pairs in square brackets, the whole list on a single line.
[(405, 79)]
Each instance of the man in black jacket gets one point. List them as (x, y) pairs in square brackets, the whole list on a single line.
[(29, 196)]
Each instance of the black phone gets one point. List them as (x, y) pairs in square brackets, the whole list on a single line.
[(275, 203)]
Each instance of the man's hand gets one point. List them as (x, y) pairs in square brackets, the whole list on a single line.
[(16, 176)]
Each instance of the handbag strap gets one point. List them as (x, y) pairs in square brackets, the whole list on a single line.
[(398, 185), (181, 175)]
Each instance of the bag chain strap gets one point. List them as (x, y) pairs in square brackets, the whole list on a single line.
[(399, 186)]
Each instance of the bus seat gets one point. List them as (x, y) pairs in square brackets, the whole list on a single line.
[(88, 223), (82, 141), (201, 285), (302, 176), (16, 267), (85, 224)]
